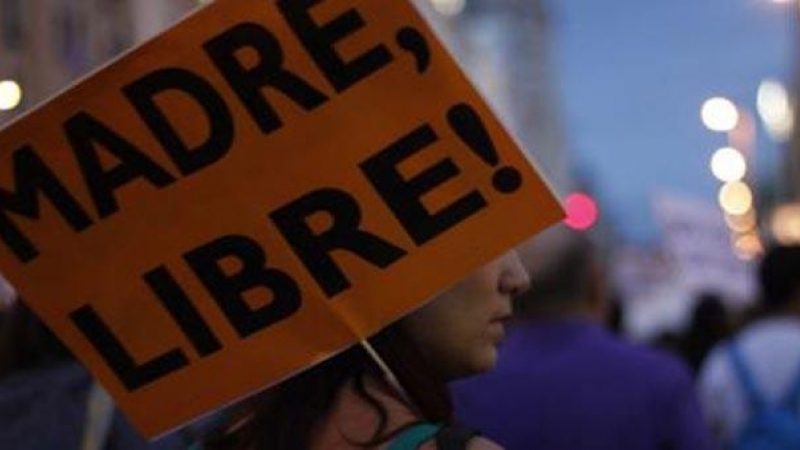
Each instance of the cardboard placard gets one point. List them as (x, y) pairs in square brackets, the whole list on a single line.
[(251, 192)]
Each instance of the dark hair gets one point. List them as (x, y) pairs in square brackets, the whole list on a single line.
[(779, 275), (283, 417)]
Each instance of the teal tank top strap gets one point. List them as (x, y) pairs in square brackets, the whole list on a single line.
[(413, 437)]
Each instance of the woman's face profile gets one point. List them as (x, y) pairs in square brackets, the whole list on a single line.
[(458, 331)]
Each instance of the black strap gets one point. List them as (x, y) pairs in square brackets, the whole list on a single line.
[(454, 437)]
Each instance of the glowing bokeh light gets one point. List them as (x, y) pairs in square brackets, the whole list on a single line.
[(785, 224), (742, 223), (747, 246), (728, 164), (10, 95), (582, 211), (449, 7), (719, 114), (776, 109), (735, 198)]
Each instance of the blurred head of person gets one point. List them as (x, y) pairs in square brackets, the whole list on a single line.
[(711, 322), (779, 277), (568, 277), (710, 316)]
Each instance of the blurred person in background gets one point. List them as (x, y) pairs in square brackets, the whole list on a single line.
[(565, 382), (710, 324), (750, 385), (43, 392), (46, 396)]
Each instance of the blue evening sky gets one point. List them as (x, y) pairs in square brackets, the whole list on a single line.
[(632, 75)]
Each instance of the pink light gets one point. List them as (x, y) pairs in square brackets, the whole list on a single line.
[(581, 211)]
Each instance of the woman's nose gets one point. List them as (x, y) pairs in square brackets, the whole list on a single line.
[(514, 280)]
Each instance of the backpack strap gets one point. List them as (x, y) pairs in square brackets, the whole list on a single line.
[(414, 436), (99, 418), (752, 392)]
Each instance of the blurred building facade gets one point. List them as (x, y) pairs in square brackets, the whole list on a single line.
[(502, 44), (505, 47), (47, 44), (150, 17)]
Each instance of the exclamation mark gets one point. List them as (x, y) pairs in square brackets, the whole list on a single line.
[(469, 127)]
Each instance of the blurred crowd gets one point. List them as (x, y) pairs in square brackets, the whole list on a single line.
[(567, 377)]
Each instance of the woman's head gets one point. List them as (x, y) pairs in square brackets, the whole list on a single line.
[(458, 332), (454, 335)]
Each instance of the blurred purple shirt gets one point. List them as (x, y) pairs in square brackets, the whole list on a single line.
[(570, 384)]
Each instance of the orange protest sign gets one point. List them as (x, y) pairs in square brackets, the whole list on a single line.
[(251, 192)]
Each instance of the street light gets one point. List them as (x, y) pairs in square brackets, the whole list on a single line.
[(728, 164), (719, 114), (747, 246), (786, 224), (10, 95), (742, 223), (582, 211), (776, 109), (735, 198)]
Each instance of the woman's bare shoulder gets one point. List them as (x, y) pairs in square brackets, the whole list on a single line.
[(478, 443)]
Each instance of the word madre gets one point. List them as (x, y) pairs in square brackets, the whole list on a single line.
[(251, 60)]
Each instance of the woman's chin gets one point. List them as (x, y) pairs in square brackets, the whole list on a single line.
[(485, 361)]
